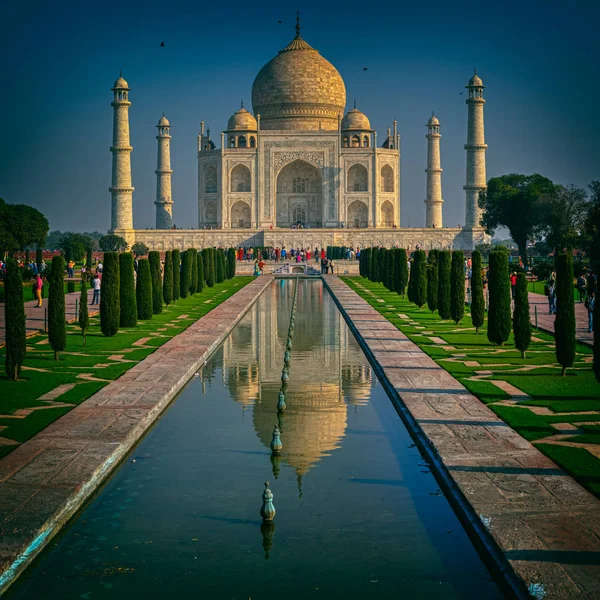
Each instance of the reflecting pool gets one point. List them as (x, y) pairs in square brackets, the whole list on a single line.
[(359, 515)]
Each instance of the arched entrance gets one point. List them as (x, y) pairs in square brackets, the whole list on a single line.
[(357, 214), (240, 215), (299, 195), (387, 214)]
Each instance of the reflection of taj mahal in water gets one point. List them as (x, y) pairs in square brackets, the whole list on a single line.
[(300, 159), (326, 376)]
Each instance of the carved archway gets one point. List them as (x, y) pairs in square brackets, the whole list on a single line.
[(358, 214), (299, 192), (240, 179), (387, 214), (240, 214)]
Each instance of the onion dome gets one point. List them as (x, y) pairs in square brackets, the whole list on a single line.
[(299, 89), (164, 122), (120, 84), (242, 120), (356, 120), (475, 81), (433, 121)]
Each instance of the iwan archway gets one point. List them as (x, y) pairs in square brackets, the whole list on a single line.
[(299, 195)]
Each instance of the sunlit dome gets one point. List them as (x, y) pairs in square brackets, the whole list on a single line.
[(433, 120), (475, 81), (164, 122), (356, 120), (120, 84), (242, 120)]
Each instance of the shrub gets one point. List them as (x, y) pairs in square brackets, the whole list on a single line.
[(477, 299), (14, 312), (89, 259), (157, 300), (57, 325), (374, 272), (231, 263), (128, 305), (457, 286), (420, 279), (168, 279), (596, 318), (186, 274), (402, 282), (143, 290), (521, 318), (70, 287), (38, 258), (206, 261), (499, 318), (194, 261), (176, 257), (564, 324), (201, 279), (83, 317), (210, 280), (219, 266), (389, 270), (110, 305), (432, 280), (444, 283)]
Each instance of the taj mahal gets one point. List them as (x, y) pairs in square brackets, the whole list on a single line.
[(300, 171)]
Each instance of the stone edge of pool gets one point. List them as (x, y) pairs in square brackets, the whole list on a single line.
[(47, 479), (537, 528)]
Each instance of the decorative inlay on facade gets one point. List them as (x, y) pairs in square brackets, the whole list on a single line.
[(283, 158)]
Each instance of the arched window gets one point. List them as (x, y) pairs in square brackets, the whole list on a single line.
[(252, 142), (366, 141), (240, 179), (387, 179), (210, 186), (299, 185), (387, 214), (355, 141), (241, 142), (120, 95), (345, 142), (211, 213), (358, 179), (232, 142), (298, 215)]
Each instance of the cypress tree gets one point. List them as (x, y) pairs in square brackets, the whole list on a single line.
[(38, 259), (457, 286), (84, 319), (477, 299), (57, 324), (402, 272), (186, 275), (89, 259), (206, 261), (361, 263), (499, 317), (157, 300), (110, 306), (194, 262), (201, 279), (390, 279), (432, 280), (70, 287), (128, 305), (168, 279), (210, 279), (14, 313), (374, 275), (383, 258), (420, 289), (444, 279), (564, 324), (411, 282), (521, 318), (396, 268), (27, 257), (231, 263), (176, 258), (219, 264), (143, 290)]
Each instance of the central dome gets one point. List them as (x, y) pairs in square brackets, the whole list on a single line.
[(299, 89)]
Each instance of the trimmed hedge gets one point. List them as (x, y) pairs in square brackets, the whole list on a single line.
[(402, 282), (432, 280), (477, 299), (219, 266), (128, 304), (194, 280), (83, 317), (457, 286), (176, 258), (444, 284), (57, 324), (564, 324), (210, 279), (521, 317), (186, 275), (143, 290), (167, 289), (499, 318), (231, 262), (110, 305), (14, 312), (157, 299), (200, 267), (420, 279)]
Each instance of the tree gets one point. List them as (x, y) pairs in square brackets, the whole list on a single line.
[(75, 245), (498, 330), (168, 279), (186, 274), (140, 249), (477, 299), (127, 300), (420, 279), (83, 317), (596, 364), (389, 270), (565, 212), (57, 325), (444, 283), (432, 280), (110, 293), (591, 226), (194, 261), (21, 226), (219, 266), (39, 256), (206, 260), (14, 312), (210, 280), (157, 299), (201, 278), (516, 202), (143, 290), (402, 282), (374, 271), (564, 324), (231, 261), (521, 318), (457, 286), (176, 258), (89, 258), (112, 243)]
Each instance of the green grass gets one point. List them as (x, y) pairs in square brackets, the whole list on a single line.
[(42, 373), (538, 375)]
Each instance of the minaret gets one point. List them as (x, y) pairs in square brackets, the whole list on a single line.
[(121, 189), (475, 147), (433, 202), (164, 202)]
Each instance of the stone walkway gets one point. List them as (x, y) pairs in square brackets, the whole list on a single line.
[(534, 520), (546, 321), (44, 481), (35, 316)]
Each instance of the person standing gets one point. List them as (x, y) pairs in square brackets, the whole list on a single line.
[(331, 265), (513, 284), (96, 288), (581, 287), (551, 298), (590, 303), (71, 268), (37, 286)]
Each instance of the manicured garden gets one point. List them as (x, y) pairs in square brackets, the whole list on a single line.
[(560, 415)]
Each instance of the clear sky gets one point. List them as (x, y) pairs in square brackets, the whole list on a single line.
[(538, 59)]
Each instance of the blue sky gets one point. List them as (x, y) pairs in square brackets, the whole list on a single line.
[(538, 60)]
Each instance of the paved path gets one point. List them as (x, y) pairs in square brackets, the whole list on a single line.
[(44, 481), (546, 321), (533, 519), (35, 316)]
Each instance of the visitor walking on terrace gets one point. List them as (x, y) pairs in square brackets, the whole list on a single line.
[(581, 287), (38, 284), (96, 287), (590, 302), (551, 298)]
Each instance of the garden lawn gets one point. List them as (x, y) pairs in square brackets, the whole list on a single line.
[(83, 370), (545, 402)]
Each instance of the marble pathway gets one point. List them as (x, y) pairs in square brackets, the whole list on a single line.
[(534, 520), (45, 480)]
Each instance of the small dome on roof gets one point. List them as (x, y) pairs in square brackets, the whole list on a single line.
[(433, 120), (120, 84), (355, 120), (475, 81), (242, 120), (164, 122)]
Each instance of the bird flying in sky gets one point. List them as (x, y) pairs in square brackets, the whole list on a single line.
[(365, 68), (162, 44)]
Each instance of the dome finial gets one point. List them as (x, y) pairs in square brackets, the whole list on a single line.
[(298, 24), (475, 71), (242, 106), (354, 102)]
